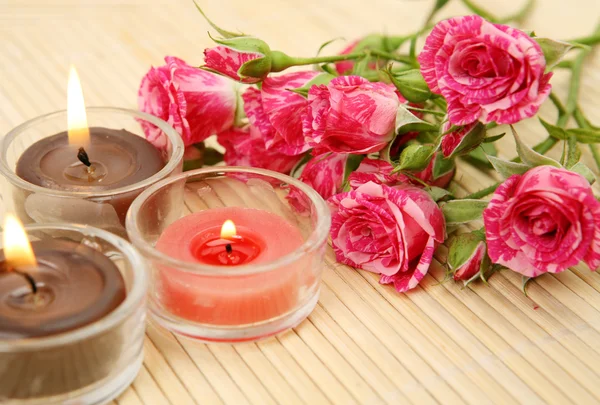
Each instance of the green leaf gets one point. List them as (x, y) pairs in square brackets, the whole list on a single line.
[(408, 122), (585, 171), (305, 159), (437, 193), (585, 135), (531, 157), (224, 33), (415, 157), (494, 138), (507, 168), (573, 152), (461, 211), (553, 51), (478, 157)]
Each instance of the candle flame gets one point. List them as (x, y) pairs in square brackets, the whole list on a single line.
[(17, 249), (228, 230), (79, 134)]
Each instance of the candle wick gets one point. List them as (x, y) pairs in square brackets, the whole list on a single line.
[(83, 157), (228, 248), (27, 277)]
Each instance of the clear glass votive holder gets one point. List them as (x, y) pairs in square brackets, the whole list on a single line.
[(105, 209), (231, 303), (89, 365)]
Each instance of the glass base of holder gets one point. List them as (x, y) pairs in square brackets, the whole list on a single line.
[(100, 393), (233, 334)]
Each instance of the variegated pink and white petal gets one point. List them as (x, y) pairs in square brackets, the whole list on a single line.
[(227, 61)]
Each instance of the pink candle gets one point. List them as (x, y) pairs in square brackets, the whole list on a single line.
[(260, 237)]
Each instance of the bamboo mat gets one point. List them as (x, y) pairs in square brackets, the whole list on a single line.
[(364, 343)]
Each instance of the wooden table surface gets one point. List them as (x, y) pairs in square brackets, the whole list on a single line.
[(364, 343)]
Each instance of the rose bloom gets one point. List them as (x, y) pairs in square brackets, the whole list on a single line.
[(388, 230), (380, 171), (245, 147), (195, 102), (351, 115), (487, 72), (228, 61), (277, 112), (325, 174), (545, 220)]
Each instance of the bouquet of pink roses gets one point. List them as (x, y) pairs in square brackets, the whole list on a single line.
[(376, 133)]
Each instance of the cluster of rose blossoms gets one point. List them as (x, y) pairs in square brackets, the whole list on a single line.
[(378, 141)]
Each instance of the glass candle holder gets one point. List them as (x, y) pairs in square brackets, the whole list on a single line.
[(266, 281), (105, 209), (94, 363)]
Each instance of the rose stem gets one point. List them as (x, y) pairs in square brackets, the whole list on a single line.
[(482, 193)]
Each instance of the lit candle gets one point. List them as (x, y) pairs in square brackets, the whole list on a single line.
[(53, 286), (210, 237), (89, 159)]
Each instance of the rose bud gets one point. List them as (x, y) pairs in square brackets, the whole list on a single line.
[(245, 59), (467, 257)]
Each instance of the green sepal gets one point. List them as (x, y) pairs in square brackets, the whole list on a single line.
[(323, 78), (415, 157), (408, 122), (462, 248), (585, 135), (305, 159), (507, 168), (478, 156), (256, 68), (212, 156), (461, 211), (410, 84), (442, 166), (531, 157), (553, 50), (494, 138), (224, 33), (585, 171), (437, 193), (524, 281), (471, 140), (573, 153)]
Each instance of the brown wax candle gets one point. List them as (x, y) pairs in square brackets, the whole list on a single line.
[(118, 159), (76, 286)]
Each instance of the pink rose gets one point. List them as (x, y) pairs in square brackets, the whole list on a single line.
[(245, 147), (391, 231), (351, 115), (545, 220), (380, 171), (277, 112), (377, 171), (467, 256), (245, 59), (195, 102), (487, 72)]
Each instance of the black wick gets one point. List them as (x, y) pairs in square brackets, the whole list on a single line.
[(83, 157), (228, 248), (27, 277)]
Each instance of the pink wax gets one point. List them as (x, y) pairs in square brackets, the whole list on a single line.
[(231, 299)]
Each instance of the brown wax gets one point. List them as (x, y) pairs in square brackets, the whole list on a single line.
[(77, 285), (119, 158)]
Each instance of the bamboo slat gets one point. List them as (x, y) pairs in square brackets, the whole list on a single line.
[(364, 343)]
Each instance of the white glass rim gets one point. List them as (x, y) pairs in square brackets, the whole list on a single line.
[(174, 138), (317, 237), (134, 296)]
